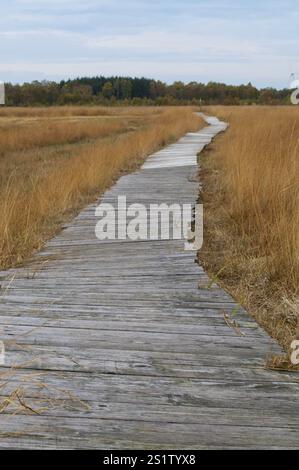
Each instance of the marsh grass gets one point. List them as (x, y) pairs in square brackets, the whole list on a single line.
[(251, 195)]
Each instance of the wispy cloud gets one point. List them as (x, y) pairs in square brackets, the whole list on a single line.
[(227, 40)]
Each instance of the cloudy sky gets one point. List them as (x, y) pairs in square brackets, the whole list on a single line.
[(220, 40)]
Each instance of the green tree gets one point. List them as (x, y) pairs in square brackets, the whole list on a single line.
[(108, 90), (126, 88)]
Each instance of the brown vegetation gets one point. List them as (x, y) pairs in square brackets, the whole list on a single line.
[(51, 168), (251, 196)]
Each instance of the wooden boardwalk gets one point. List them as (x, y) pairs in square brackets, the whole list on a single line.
[(122, 344)]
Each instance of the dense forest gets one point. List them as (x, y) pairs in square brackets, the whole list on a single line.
[(126, 90)]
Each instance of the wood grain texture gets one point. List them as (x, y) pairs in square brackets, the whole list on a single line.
[(123, 344)]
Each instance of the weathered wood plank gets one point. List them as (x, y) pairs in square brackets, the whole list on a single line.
[(82, 433)]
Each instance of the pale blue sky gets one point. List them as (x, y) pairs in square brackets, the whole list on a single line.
[(229, 41)]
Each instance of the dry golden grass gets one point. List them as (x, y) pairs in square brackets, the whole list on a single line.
[(27, 135), (56, 111), (71, 111), (25, 128), (52, 177), (251, 197)]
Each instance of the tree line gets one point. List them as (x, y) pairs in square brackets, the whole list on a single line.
[(135, 91)]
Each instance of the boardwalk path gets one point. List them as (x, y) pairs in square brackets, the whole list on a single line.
[(120, 344)]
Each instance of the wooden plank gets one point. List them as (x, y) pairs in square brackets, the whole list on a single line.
[(82, 433)]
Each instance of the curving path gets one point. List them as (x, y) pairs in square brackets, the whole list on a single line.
[(122, 344)]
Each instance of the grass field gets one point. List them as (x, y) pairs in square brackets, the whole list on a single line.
[(53, 161), (251, 195)]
